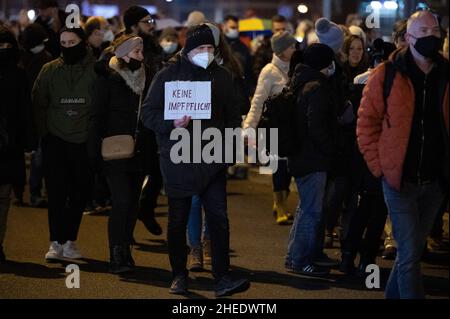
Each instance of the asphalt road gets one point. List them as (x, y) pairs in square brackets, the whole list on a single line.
[(258, 248)]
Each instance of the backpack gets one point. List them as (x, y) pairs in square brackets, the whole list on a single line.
[(279, 112)]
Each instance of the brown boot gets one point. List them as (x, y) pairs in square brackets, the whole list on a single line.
[(280, 209)]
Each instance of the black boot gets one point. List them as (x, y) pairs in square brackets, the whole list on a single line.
[(347, 265), (129, 257), (118, 263), (150, 223)]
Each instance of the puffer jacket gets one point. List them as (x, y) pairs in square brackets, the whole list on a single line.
[(272, 80), (383, 136)]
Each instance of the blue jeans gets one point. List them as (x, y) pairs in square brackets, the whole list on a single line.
[(195, 223), (412, 211), (303, 238)]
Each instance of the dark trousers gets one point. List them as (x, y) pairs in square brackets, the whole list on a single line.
[(281, 179), (20, 179), (36, 174), (98, 191), (67, 172), (125, 190), (369, 217), (214, 200)]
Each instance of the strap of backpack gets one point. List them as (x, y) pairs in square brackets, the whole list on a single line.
[(389, 76)]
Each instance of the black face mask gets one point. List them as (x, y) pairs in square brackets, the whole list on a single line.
[(428, 47), (8, 57), (74, 54), (134, 64)]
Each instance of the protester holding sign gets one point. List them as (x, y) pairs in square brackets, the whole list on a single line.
[(202, 82)]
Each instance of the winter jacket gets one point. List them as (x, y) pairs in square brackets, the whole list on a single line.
[(315, 121), (384, 131), (188, 179), (15, 120), (242, 54), (62, 99), (115, 107), (272, 80), (33, 63)]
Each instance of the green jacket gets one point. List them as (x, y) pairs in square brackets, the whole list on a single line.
[(62, 99)]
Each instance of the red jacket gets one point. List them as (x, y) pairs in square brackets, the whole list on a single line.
[(383, 136)]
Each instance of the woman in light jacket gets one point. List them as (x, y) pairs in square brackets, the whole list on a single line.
[(272, 80)]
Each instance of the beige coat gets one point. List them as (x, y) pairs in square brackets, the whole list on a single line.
[(272, 80)]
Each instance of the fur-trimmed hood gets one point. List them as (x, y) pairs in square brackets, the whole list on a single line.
[(134, 80)]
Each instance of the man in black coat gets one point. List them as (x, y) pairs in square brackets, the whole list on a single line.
[(15, 122), (185, 179), (316, 122)]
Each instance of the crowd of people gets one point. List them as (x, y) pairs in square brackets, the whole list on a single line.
[(370, 119)]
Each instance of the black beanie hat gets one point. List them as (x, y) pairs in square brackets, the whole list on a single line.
[(318, 56), (44, 4), (78, 31), (133, 15), (33, 35), (197, 36)]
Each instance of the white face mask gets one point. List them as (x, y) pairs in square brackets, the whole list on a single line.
[(37, 49), (203, 60), (232, 34), (108, 36), (169, 47)]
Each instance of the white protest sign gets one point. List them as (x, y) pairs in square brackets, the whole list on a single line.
[(191, 98)]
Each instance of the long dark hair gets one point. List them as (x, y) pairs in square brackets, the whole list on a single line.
[(229, 60)]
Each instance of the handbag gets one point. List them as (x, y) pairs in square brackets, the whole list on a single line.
[(119, 147)]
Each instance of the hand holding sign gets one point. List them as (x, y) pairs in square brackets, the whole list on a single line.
[(183, 122)]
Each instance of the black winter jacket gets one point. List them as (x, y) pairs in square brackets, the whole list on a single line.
[(16, 119), (316, 123), (115, 113), (188, 179)]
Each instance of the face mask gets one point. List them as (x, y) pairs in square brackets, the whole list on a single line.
[(50, 21), (134, 64), (169, 47), (203, 60), (108, 36), (331, 69), (74, 54), (37, 49), (232, 34), (428, 47)]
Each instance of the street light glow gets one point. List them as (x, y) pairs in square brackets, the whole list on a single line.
[(302, 8), (31, 14), (376, 5), (390, 5)]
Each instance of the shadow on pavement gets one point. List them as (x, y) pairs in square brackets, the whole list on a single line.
[(31, 270)]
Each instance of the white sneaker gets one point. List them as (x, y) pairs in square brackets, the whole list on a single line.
[(71, 250), (55, 251)]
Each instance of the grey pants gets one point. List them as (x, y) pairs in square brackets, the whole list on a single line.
[(5, 192)]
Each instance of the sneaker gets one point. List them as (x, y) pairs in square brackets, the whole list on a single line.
[(311, 270), (227, 286), (389, 253), (90, 210), (55, 251), (179, 285), (2, 255), (206, 251), (196, 259), (324, 261), (71, 251)]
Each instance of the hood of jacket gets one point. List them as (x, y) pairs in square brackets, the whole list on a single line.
[(304, 74)]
